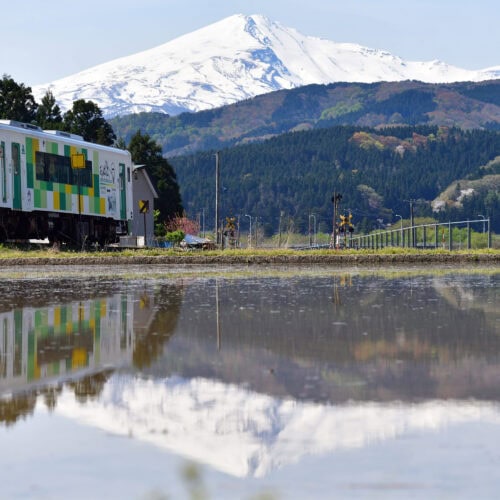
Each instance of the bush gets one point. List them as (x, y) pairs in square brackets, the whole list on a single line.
[(175, 237)]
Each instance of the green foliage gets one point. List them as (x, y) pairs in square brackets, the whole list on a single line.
[(16, 101), (295, 174), (85, 119), (145, 151), (175, 237), (48, 115), (340, 109)]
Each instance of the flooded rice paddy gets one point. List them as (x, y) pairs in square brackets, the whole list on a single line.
[(249, 382)]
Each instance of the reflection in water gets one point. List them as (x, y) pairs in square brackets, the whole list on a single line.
[(155, 319), (244, 433), (249, 374), (332, 340), (79, 342), (41, 343)]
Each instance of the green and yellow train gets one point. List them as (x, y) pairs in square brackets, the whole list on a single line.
[(56, 186)]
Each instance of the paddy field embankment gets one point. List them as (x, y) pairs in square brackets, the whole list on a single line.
[(17, 257)]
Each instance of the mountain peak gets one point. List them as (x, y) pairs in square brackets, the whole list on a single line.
[(233, 59)]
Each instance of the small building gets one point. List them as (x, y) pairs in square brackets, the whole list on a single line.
[(143, 195)]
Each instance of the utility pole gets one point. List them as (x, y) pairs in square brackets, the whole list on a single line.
[(484, 222), (336, 202), (401, 228), (334, 230), (310, 236), (413, 231), (279, 229), (411, 201), (217, 178), (249, 244)]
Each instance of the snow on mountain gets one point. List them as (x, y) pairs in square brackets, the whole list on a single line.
[(247, 434), (235, 59)]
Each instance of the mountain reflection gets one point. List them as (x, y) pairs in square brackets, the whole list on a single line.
[(244, 433)]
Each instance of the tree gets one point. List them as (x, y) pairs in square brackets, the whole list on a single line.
[(48, 114), (120, 143), (183, 224), (16, 101), (145, 151), (85, 118)]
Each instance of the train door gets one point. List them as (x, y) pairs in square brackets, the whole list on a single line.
[(3, 174), (123, 193), (16, 173)]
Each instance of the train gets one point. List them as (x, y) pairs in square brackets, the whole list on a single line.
[(57, 187)]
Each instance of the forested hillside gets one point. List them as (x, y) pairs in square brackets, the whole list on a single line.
[(464, 105), (378, 172)]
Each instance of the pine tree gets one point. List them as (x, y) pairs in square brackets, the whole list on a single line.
[(16, 101), (145, 151), (85, 118), (48, 115)]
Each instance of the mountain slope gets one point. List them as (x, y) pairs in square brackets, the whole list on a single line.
[(235, 59), (376, 170), (466, 105)]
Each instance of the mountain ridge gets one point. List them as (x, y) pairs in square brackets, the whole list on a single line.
[(381, 104), (234, 59)]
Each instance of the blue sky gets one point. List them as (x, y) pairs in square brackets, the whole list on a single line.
[(46, 40)]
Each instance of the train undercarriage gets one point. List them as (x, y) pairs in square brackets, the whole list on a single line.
[(72, 230)]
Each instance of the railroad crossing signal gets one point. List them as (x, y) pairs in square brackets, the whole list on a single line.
[(346, 224), (143, 206)]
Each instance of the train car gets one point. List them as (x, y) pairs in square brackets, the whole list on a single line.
[(55, 185)]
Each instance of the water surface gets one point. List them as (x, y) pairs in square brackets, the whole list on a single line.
[(284, 382)]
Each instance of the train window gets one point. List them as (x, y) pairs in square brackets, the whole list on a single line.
[(40, 166), (86, 174), (56, 168)]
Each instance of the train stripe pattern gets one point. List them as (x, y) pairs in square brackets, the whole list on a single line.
[(44, 193)]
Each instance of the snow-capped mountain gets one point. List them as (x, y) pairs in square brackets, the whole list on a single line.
[(235, 59)]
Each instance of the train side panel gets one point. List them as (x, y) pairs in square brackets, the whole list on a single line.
[(43, 195)]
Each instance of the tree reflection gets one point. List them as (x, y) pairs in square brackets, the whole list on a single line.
[(90, 387), (50, 395), (151, 340), (20, 406), (350, 337)]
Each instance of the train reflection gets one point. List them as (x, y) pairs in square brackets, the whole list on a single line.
[(79, 343)]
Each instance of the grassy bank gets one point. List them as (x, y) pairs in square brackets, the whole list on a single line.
[(13, 256)]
